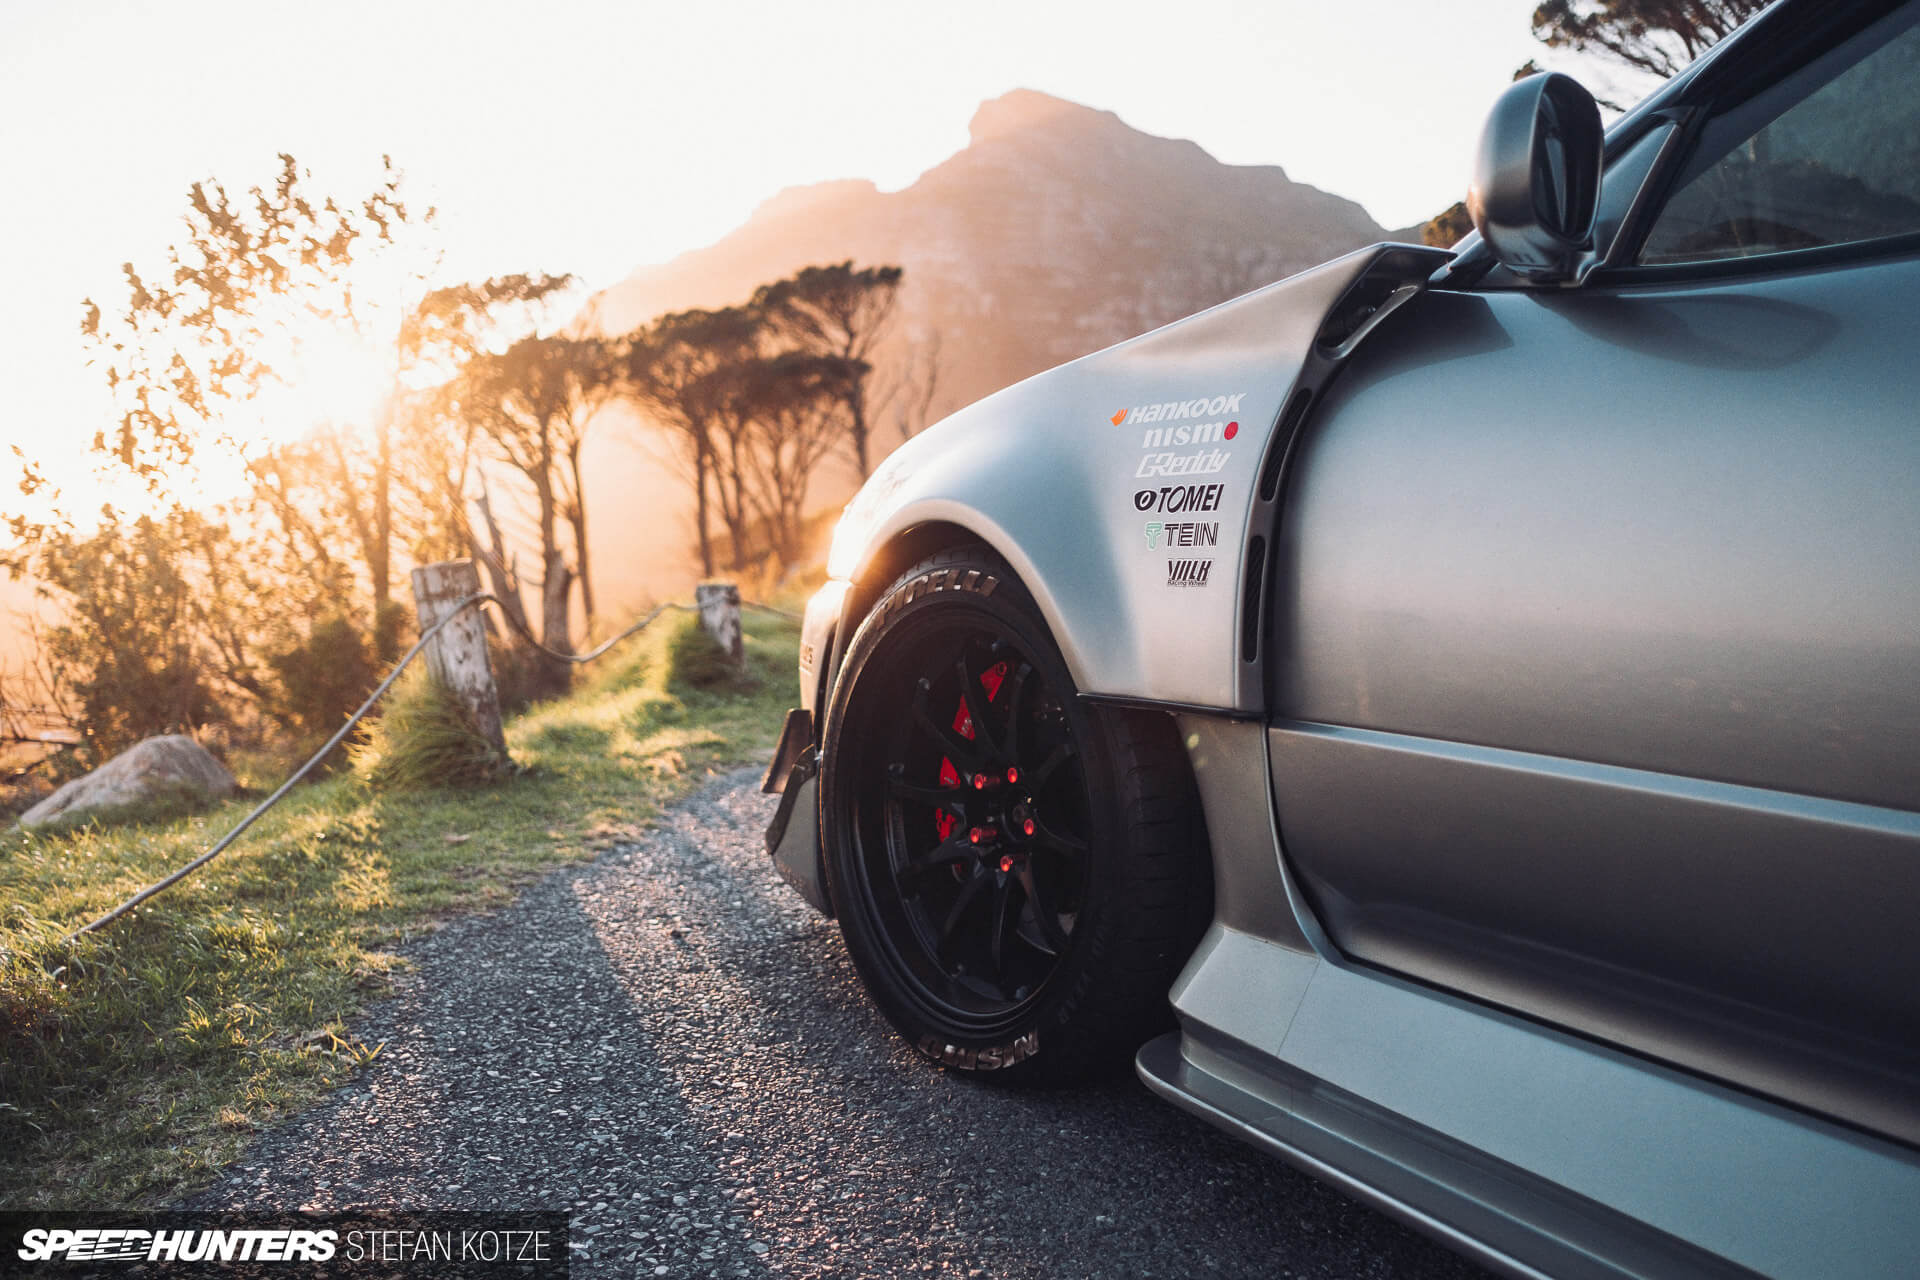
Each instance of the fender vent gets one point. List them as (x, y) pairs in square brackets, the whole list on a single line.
[(1290, 420), (1250, 609)]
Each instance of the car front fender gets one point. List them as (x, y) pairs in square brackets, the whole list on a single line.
[(1132, 490)]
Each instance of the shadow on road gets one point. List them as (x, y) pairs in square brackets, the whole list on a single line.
[(674, 1048)]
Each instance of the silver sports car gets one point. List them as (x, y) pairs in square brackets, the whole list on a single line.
[(1459, 711)]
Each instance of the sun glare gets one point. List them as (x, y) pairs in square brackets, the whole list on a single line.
[(327, 376)]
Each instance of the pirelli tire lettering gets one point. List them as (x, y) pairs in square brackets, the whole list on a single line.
[(937, 580), (992, 1058)]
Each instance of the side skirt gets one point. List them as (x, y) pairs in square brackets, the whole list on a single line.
[(1535, 1150), (1245, 1115), (1528, 1148)]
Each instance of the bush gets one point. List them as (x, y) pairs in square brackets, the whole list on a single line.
[(130, 654), (521, 675), (324, 677), (695, 658), (424, 739)]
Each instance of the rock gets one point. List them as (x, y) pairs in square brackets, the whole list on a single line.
[(172, 764)]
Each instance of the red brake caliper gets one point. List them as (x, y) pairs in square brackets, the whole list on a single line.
[(963, 725)]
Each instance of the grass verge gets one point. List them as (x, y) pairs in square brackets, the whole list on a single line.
[(135, 1064)]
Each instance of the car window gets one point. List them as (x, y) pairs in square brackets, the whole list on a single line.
[(1620, 188), (1839, 165)]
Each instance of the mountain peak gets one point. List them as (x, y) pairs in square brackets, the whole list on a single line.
[(1057, 230), (1020, 110), (808, 197)]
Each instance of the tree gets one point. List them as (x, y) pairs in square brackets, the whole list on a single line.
[(459, 321), (667, 370), (776, 418), (167, 621), (726, 399), (836, 311), (318, 492), (326, 673), (756, 395), (910, 386), (798, 401), (1656, 36), (1444, 229), (199, 338), (281, 577), (532, 404), (446, 328)]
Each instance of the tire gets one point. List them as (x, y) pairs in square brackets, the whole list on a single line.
[(1019, 874)]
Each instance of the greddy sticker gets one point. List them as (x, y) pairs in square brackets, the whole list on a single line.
[(1203, 463)]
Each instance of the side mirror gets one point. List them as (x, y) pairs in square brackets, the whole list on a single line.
[(1536, 179)]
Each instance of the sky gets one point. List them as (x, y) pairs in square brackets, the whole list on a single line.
[(597, 137)]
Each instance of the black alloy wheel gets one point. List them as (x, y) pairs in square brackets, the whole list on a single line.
[(975, 850), (984, 847)]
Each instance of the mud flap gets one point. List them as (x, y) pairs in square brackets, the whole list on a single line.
[(795, 736), (793, 837)]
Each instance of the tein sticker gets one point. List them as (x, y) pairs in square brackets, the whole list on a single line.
[(1182, 533)]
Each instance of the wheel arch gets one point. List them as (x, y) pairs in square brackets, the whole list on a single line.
[(893, 556), (1085, 608)]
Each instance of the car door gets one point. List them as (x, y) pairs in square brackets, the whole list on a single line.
[(1598, 612)]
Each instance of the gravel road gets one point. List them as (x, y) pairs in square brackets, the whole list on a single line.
[(668, 1044)]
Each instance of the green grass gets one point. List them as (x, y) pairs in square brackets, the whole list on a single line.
[(135, 1063), (425, 739)]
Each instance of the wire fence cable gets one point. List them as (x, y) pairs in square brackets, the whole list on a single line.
[(468, 602)]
